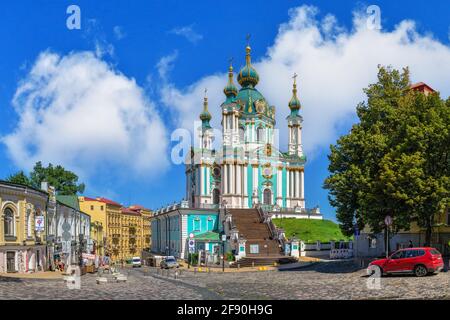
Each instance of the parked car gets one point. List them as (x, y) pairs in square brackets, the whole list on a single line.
[(169, 263), (136, 262), (419, 261)]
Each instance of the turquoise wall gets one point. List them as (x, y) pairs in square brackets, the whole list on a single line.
[(199, 223)]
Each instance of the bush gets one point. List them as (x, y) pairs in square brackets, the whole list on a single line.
[(229, 256), (193, 258)]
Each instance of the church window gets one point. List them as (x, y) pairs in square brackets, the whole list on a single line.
[(260, 134), (242, 134)]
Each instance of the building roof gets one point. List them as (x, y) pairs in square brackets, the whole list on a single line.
[(421, 86), (18, 185), (208, 236), (110, 202), (129, 211), (70, 201)]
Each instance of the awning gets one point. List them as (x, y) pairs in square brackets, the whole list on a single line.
[(207, 236)]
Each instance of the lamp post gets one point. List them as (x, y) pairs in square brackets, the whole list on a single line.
[(224, 238)]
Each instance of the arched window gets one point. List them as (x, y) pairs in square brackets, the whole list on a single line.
[(216, 196), (242, 134), (260, 134), (267, 196), (9, 222), (29, 223)]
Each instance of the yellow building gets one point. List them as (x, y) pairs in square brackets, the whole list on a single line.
[(146, 235), (23, 212), (97, 211), (118, 232)]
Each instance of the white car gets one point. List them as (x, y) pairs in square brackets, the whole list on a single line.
[(136, 262)]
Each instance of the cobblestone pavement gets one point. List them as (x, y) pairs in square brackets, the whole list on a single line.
[(331, 280)]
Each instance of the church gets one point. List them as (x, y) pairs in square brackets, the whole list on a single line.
[(248, 169)]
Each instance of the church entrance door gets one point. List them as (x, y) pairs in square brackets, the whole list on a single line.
[(267, 197), (216, 196)]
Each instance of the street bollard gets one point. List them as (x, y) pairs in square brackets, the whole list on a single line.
[(239, 265), (253, 264), (195, 270)]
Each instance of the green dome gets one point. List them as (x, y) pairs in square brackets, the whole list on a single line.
[(294, 104), (205, 116), (248, 75), (230, 89)]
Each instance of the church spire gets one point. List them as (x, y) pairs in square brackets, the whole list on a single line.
[(230, 89), (294, 104), (205, 116)]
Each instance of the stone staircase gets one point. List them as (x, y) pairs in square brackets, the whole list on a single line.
[(256, 232)]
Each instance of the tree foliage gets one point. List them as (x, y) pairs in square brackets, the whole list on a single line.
[(395, 161), (65, 182)]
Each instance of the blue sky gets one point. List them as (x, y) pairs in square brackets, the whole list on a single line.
[(129, 39)]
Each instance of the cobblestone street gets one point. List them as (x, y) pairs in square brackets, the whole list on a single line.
[(341, 280)]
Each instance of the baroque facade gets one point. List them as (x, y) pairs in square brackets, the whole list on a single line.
[(247, 169)]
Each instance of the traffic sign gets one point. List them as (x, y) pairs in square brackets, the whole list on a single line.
[(191, 235), (388, 220)]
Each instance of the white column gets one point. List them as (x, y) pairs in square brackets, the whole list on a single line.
[(239, 180), (244, 167), (279, 186), (224, 179), (292, 184), (233, 178), (202, 183), (255, 180), (297, 184), (302, 182), (208, 181), (288, 184)]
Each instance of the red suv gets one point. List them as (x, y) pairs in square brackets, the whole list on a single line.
[(419, 261)]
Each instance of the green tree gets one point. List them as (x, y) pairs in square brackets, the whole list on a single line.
[(394, 161), (65, 182), (20, 178)]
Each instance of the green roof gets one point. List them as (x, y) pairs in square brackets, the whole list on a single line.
[(70, 201), (208, 236)]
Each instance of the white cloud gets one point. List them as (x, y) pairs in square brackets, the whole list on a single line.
[(188, 32), (333, 64), (165, 65), (119, 33), (76, 110)]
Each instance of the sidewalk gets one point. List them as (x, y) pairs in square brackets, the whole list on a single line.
[(47, 275), (303, 262)]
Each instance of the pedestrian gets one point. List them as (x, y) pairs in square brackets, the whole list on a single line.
[(410, 244)]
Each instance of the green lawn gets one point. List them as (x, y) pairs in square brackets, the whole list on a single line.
[(310, 231)]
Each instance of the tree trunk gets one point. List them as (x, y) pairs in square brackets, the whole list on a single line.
[(428, 234)]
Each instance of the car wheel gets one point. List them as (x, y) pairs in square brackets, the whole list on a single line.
[(420, 271)]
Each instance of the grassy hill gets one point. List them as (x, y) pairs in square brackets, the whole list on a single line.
[(310, 230)]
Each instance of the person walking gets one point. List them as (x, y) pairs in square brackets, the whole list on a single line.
[(410, 244)]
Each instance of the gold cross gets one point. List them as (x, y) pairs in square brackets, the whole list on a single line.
[(206, 90), (248, 39), (295, 77)]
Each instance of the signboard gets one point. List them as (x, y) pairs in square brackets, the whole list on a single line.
[(191, 236), (191, 244), (224, 237), (88, 256), (39, 223), (388, 220)]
